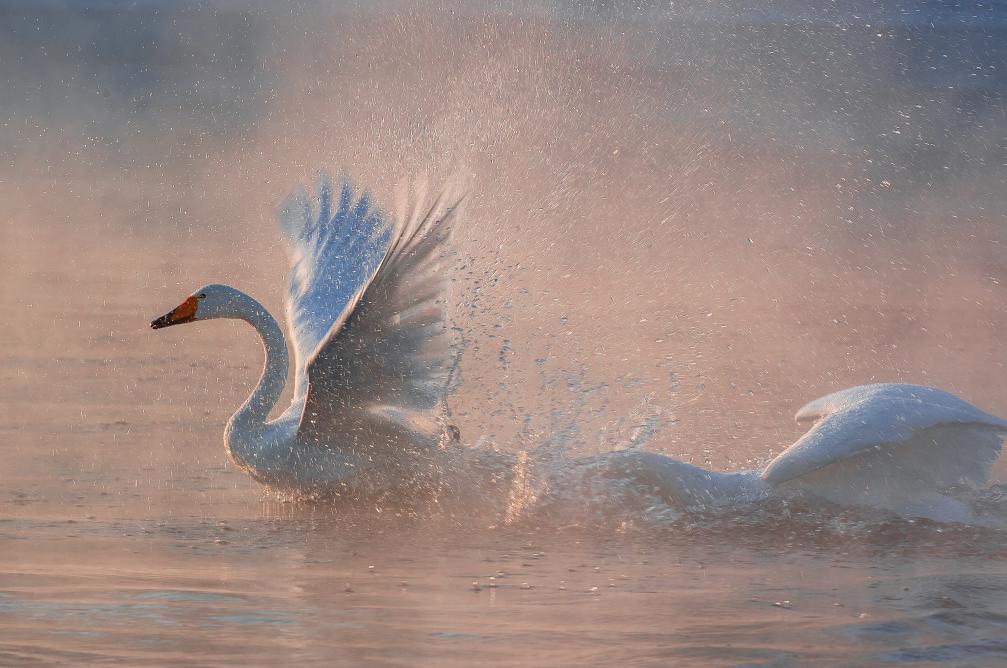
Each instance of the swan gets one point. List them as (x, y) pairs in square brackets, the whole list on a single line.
[(888, 445), (372, 353), (373, 359)]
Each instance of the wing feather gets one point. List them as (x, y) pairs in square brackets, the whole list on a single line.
[(334, 254), (910, 430), (383, 363)]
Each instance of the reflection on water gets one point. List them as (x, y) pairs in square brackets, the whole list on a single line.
[(684, 223), (305, 586)]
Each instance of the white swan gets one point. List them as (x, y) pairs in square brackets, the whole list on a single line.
[(372, 352), (892, 446), (373, 357)]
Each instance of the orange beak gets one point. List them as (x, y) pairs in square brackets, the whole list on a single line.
[(184, 312)]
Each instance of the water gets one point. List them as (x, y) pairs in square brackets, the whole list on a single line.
[(295, 585), (683, 224)]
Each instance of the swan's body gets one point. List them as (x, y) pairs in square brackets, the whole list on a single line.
[(372, 351), (892, 446)]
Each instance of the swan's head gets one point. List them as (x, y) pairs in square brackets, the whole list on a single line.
[(210, 301)]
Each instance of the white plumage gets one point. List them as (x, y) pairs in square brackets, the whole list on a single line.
[(891, 446), (372, 350)]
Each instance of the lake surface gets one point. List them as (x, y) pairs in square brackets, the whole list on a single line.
[(683, 224)]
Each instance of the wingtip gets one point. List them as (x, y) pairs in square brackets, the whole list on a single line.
[(806, 415), (812, 411)]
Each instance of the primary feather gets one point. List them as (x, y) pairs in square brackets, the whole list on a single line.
[(373, 349), (336, 243)]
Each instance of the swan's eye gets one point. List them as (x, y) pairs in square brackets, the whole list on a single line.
[(202, 295)]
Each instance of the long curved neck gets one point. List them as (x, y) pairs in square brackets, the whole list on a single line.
[(255, 410)]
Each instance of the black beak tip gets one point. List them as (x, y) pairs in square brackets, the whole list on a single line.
[(160, 322)]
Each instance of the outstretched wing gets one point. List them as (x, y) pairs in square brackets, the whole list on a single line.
[(909, 432), (384, 362), (336, 243)]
